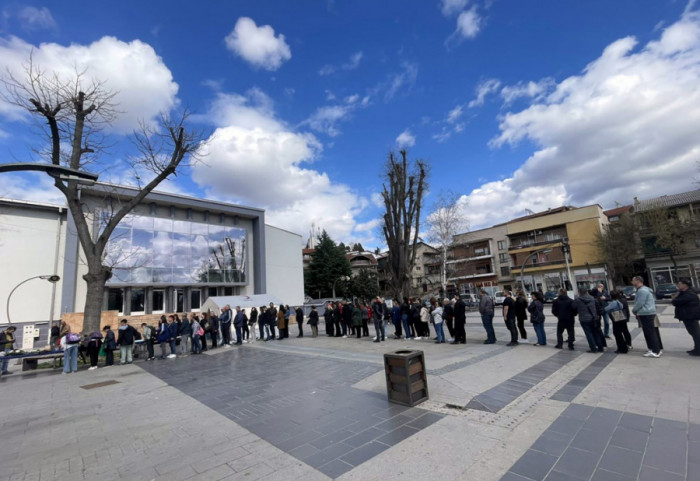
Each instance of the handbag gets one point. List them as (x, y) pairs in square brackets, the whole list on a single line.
[(101, 352), (200, 332), (618, 316)]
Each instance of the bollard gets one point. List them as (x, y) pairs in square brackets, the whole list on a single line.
[(406, 381)]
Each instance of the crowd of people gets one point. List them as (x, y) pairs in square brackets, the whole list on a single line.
[(598, 312)]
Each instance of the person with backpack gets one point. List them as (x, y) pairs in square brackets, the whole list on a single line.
[(71, 344), (486, 309), (148, 334), (616, 311), (536, 309), (110, 345), (563, 310), (125, 340)]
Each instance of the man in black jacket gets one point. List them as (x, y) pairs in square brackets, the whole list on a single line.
[(460, 315), (687, 306), (125, 340), (328, 317), (347, 317), (299, 314), (225, 322), (563, 310)]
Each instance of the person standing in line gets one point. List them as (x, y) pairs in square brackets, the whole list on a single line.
[(616, 310), (172, 332), (125, 341), (521, 314), (71, 344), (148, 335), (253, 321), (448, 315), (238, 322), (347, 318), (687, 311), (357, 319), (337, 319), (378, 318), (328, 319), (287, 317), (206, 327), (109, 345), (436, 315), (584, 307), (245, 331), (53, 340), (563, 310), (299, 314), (197, 335), (272, 321), (184, 330), (405, 319), (509, 318), (7, 339), (425, 321), (281, 317), (313, 321), (604, 297), (626, 309), (460, 313), (395, 315), (263, 324), (163, 336), (645, 310), (416, 320), (225, 323), (536, 309), (214, 330), (486, 309)]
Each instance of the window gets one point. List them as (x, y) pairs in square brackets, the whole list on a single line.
[(212, 292), (481, 251), (115, 300), (196, 299), (425, 288), (505, 271), (179, 300), (158, 305), (137, 301), (503, 258), (501, 245), (228, 291)]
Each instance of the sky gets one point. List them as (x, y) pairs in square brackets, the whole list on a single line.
[(517, 106)]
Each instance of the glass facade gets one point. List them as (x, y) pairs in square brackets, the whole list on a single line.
[(147, 250)]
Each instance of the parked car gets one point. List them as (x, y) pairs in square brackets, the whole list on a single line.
[(549, 296), (666, 290), (630, 292), (499, 297)]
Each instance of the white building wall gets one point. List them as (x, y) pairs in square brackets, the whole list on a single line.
[(284, 265), (28, 237)]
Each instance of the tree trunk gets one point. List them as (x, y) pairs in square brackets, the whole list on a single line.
[(96, 278)]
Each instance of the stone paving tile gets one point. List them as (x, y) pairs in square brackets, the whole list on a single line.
[(575, 386), (498, 397), (598, 444), (320, 420)]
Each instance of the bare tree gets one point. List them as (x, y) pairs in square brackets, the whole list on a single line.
[(665, 232), (446, 221), (75, 112), (402, 192), (618, 246)]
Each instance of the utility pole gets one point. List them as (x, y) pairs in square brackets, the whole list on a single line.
[(566, 249)]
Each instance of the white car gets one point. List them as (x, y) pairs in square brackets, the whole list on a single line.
[(499, 297)]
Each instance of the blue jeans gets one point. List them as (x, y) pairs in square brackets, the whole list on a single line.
[(594, 336), (197, 344), (440, 333), (70, 358), (5, 362), (487, 321), (379, 328), (606, 320), (539, 331), (406, 327)]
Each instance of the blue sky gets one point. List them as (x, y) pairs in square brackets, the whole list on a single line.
[(517, 105)]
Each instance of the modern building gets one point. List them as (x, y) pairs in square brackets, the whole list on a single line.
[(540, 245), (168, 255), (667, 265), (479, 260)]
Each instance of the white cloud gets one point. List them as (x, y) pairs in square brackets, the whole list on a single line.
[(325, 119), (258, 45), (32, 18), (369, 226), (454, 114), (533, 90), (626, 126), (402, 80), (484, 89), (351, 64), (255, 158), (351, 99), (451, 7), (469, 23), (143, 83), (405, 139), (30, 186)]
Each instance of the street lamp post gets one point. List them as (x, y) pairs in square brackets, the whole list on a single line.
[(341, 278), (51, 278), (522, 268)]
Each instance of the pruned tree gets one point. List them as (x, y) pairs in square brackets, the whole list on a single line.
[(73, 114), (618, 247), (402, 191), (447, 220)]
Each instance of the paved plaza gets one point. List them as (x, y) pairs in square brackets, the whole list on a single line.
[(316, 409)]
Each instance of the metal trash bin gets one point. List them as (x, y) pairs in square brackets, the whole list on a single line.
[(406, 381)]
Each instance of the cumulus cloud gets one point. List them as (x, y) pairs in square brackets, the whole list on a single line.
[(405, 139), (484, 89), (469, 23), (143, 83), (532, 90), (625, 126), (255, 158), (32, 18), (258, 45)]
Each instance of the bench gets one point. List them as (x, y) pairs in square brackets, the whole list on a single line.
[(31, 362)]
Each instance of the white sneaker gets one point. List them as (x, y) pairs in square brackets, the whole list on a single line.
[(450, 340), (417, 338), (345, 337), (524, 341), (92, 368), (171, 356), (226, 345), (652, 354), (374, 338)]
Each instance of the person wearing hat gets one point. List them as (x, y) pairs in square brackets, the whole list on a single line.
[(110, 344)]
